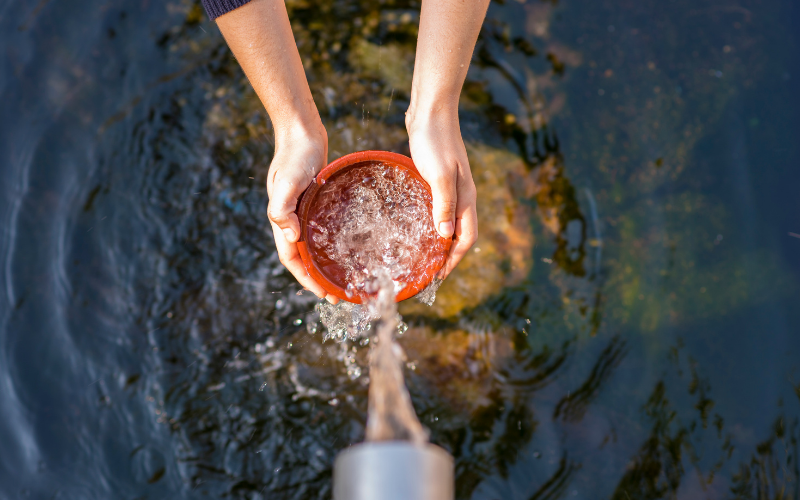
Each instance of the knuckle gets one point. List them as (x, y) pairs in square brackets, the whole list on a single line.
[(447, 206), (276, 215)]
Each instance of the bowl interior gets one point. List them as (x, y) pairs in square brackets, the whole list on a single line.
[(336, 184)]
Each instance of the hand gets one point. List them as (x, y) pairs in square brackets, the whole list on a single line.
[(299, 156), (440, 156)]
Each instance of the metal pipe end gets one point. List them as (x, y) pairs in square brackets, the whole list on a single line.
[(393, 470)]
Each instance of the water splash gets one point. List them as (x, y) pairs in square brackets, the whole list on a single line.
[(428, 295), (391, 415), (372, 217), (374, 228), (375, 323)]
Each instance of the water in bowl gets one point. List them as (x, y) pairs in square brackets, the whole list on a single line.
[(372, 229)]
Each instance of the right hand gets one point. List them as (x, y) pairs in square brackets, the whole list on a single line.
[(300, 154)]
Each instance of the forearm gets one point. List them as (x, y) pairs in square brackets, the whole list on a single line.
[(260, 36), (448, 30)]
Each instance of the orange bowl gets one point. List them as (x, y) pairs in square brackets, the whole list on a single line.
[(333, 284)]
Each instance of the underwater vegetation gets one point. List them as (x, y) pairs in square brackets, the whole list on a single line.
[(560, 359)]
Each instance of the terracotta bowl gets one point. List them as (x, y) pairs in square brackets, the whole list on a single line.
[(329, 281)]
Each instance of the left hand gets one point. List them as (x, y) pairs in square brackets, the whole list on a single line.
[(440, 156)]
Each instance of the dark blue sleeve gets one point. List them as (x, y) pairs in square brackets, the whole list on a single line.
[(216, 8)]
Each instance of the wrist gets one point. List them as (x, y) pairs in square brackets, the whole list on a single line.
[(308, 129), (421, 118)]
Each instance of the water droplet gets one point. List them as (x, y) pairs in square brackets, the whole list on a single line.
[(353, 372), (298, 322), (402, 328)]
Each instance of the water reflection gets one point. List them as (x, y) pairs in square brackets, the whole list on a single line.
[(506, 330)]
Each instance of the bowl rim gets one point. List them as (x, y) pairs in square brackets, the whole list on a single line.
[(304, 204)]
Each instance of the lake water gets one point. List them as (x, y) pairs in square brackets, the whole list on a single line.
[(622, 329)]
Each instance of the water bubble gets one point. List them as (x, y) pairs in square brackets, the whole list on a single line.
[(354, 372), (298, 322), (402, 328)]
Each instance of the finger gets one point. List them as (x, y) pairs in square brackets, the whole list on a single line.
[(290, 258), (282, 206), (466, 236), (443, 189)]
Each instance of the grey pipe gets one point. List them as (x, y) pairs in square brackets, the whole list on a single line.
[(393, 470)]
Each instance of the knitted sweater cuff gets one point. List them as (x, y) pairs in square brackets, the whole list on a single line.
[(216, 8)]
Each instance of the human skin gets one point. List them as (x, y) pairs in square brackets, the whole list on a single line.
[(260, 36)]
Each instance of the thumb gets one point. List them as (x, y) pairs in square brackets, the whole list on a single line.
[(281, 209), (444, 205)]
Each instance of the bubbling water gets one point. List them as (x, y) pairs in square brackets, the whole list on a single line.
[(372, 232), (374, 217)]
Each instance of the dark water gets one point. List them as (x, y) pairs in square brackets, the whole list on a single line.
[(626, 330)]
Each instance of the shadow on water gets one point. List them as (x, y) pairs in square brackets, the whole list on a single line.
[(598, 342)]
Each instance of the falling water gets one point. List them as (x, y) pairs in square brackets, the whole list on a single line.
[(374, 227)]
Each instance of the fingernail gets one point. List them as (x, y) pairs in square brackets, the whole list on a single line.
[(446, 229), (289, 233), (329, 299)]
